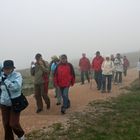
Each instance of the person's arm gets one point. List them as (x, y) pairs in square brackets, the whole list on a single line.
[(15, 84), (72, 74), (44, 66), (32, 69)]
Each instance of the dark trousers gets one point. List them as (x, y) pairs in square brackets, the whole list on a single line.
[(125, 71), (40, 93), (98, 79), (11, 123), (86, 74), (106, 82), (118, 77)]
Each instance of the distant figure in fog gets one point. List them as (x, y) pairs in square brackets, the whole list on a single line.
[(96, 66), (112, 58), (138, 68), (84, 65), (125, 65), (118, 63)]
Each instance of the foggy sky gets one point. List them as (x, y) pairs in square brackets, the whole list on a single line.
[(54, 27)]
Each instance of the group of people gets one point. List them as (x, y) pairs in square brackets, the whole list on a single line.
[(63, 76), (104, 69)]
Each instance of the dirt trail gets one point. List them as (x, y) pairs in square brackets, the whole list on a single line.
[(80, 96)]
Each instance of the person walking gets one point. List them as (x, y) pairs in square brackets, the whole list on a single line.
[(13, 81), (64, 77), (112, 58), (40, 71), (118, 63), (125, 65), (84, 65), (138, 69), (107, 71), (96, 66), (55, 62)]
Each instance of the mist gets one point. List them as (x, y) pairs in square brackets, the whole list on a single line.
[(55, 27)]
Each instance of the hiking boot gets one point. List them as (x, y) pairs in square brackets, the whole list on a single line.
[(68, 106), (38, 110), (103, 91), (108, 91), (63, 112), (58, 103), (22, 138), (48, 106)]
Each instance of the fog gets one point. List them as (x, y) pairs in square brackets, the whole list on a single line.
[(55, 27)]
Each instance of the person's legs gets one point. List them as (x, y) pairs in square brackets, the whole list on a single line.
[(116, 77), (66, 101), (120, 77), (109, 83), (99, 80), (103, 83), (15, 124), (5, 111), (38, 98), (58, 95), (87, 76), (45, 96), (96, 79), (82, 77)]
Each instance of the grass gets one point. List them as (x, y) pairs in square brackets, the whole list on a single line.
[(115, 119)]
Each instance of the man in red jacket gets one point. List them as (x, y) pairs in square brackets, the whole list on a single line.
[(125, 65), (84, 65), (96, 66), (64, 77)]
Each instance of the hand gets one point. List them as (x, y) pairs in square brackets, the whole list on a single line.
[(32, 63), (3, 79), (40, 62)]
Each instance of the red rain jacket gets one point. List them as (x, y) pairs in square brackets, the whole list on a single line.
[(64, 75)]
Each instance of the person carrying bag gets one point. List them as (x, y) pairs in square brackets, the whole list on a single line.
[(11, 86), (19, 103)]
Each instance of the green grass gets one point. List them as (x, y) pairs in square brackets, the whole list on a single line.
[(115, 119)]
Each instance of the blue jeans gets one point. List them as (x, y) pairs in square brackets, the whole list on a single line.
[(98, 79), (58, 94), (66, 101)]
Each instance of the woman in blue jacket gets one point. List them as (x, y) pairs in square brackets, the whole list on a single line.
[(13, 81)]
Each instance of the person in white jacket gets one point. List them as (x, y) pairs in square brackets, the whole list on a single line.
[(118, 63), (107, 71)]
